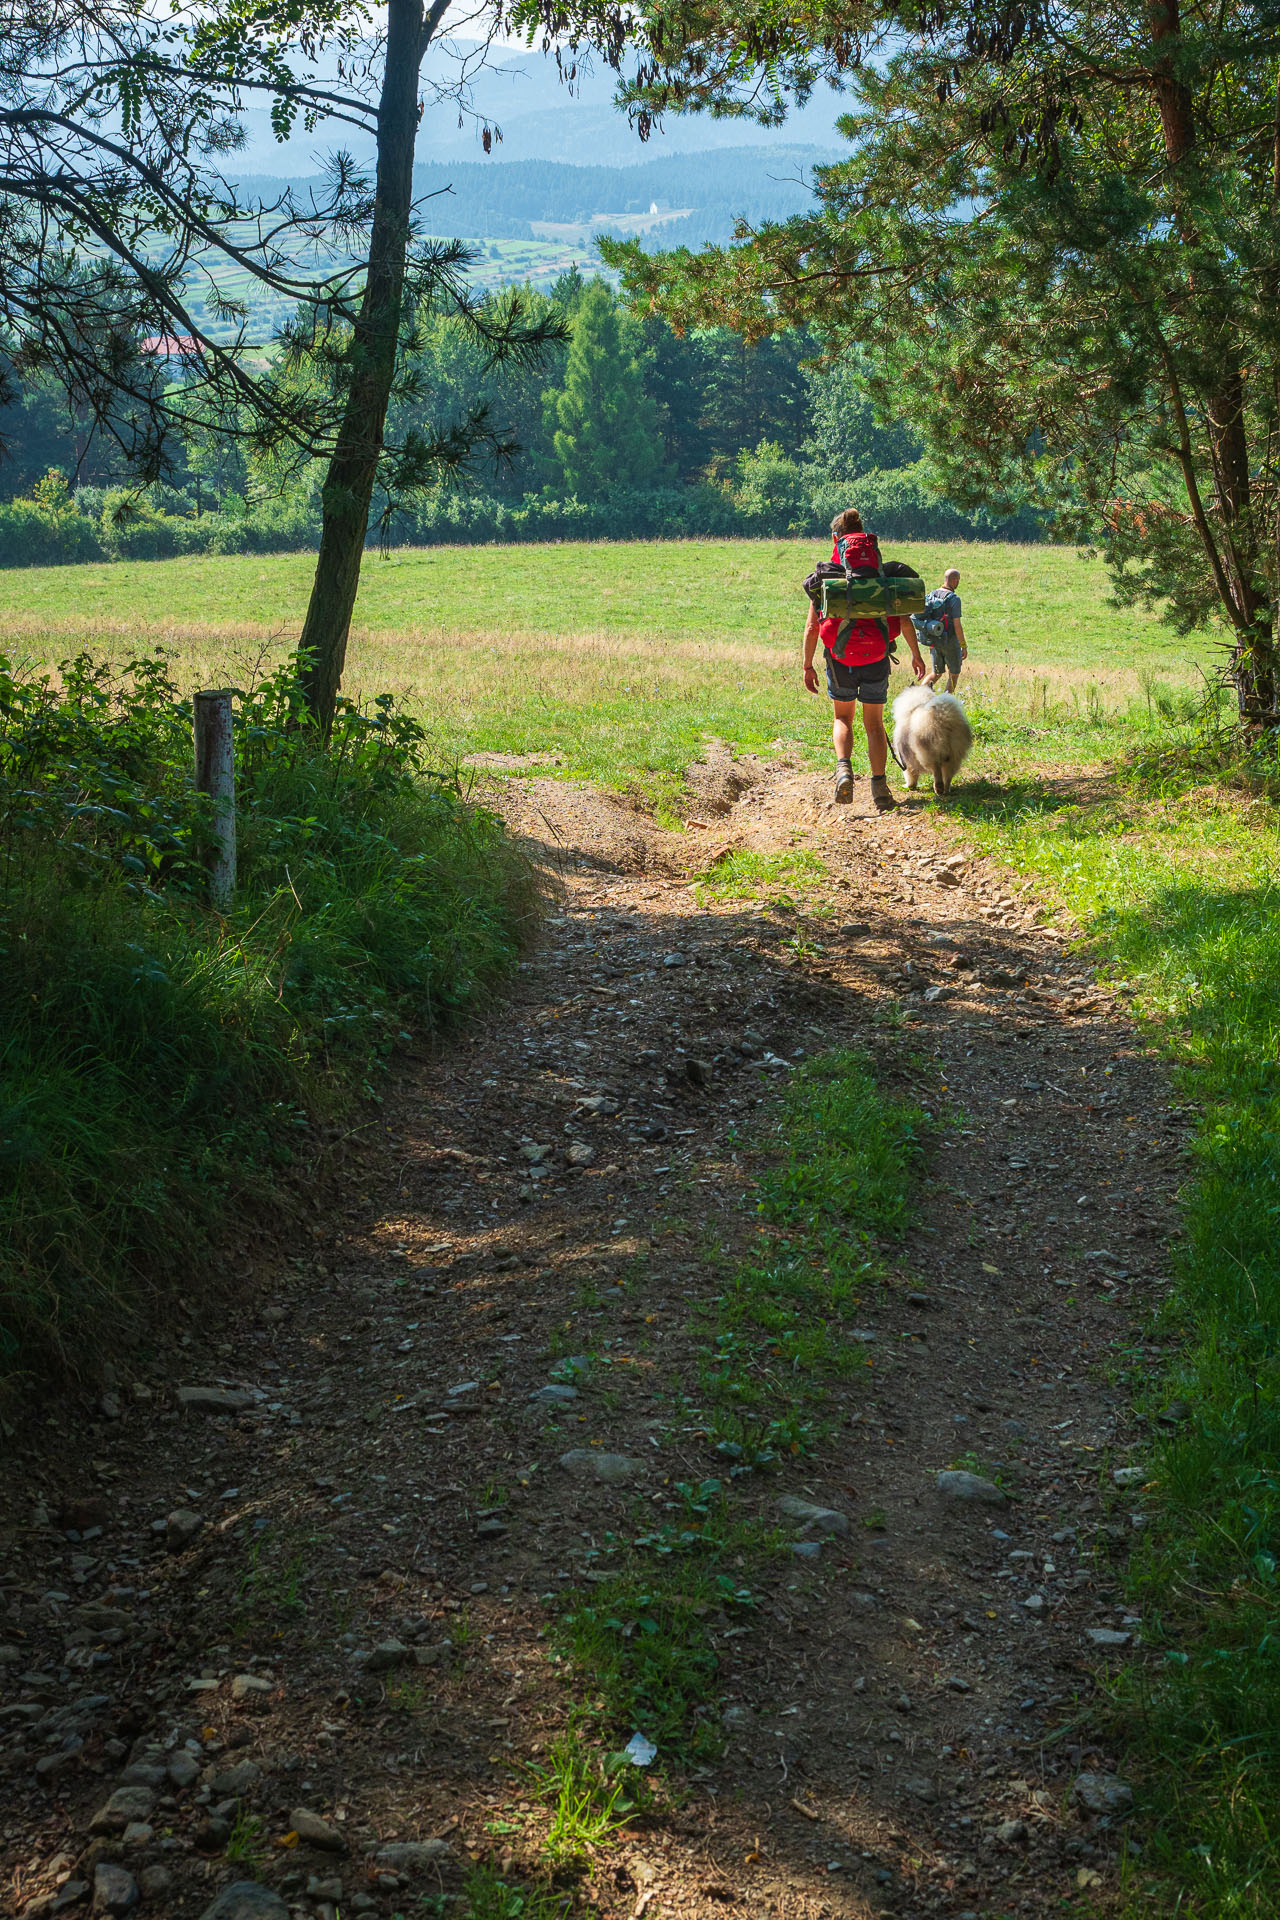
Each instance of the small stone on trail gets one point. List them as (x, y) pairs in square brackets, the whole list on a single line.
[(114, 1890), (273, 1315), (212, 1835), (125, 1805), (155, 1881), (1102, 1793), (316, 1832), (737, 1719), (1107, 1637), (233, 1781), (584, 1463), (214, 1399), (813, 1518), (184, 1769), (554, 1396), (959, 1485), (673, 960), (246, 1900), (410, 1856), (919, 1788), (580, 1154), (1034, 1603), (1129, 1476), (807, 1549), (1010, 1832), (387, 1655), (319, 1888), (181, 1528), (249, 1686)]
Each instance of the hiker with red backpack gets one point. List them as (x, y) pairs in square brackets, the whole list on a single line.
[(858, 606)]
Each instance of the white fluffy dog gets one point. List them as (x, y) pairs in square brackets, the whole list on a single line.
[(930, 735)]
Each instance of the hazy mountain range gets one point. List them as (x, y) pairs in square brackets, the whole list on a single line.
[(541, 119)]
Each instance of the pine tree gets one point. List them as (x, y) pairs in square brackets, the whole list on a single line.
[(603, 426)]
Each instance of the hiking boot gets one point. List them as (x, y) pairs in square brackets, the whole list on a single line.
[(844, 783), (882, 799)]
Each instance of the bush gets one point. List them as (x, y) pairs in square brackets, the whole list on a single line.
[(158, 1060), (902, 504), (775, 498), (45, 529)]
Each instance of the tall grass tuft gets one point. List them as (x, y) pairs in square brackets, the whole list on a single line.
[(160, 1062)]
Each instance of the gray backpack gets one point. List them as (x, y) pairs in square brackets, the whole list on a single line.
[(934, 624)]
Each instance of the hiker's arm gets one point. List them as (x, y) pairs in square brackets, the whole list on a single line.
[(959, 627), (810, 648), (907, 627)]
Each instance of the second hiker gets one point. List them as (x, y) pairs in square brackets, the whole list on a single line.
[(858, 674), (942, 630)]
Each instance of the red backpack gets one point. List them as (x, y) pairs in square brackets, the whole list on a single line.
[(858, 643)]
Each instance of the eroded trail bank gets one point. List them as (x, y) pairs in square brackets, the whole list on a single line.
[(316, 1610)]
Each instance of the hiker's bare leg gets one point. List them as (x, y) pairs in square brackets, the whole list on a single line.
[(877, 740), (953, 681), (842, 728)]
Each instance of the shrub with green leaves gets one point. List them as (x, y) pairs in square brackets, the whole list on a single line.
[(157, 1059)]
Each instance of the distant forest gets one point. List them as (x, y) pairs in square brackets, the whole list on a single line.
[(498, 200), (625, 429)]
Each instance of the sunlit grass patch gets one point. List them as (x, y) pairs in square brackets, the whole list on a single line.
[(593, 1795), (745, 873)]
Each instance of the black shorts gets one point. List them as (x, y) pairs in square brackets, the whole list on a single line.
[(868, 683)]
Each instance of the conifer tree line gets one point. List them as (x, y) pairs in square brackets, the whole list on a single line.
[(623, 425)]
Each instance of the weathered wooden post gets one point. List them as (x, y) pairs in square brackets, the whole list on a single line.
[(216, 776)]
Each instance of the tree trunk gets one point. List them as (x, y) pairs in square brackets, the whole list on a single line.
[(353, 466), (1253, 664)]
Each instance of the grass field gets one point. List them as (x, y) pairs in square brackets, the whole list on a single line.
[(624, 659)]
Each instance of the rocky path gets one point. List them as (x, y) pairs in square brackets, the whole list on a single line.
[(274, 1607)]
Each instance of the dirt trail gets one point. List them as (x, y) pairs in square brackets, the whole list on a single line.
[(899, 1718)]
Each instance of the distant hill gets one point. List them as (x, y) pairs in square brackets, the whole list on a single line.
[(673, 197)]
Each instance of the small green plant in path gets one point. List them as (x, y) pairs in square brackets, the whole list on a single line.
[(488, 1895), (1175, 880), (644, 1639), (593, 1795), (744, 873)]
